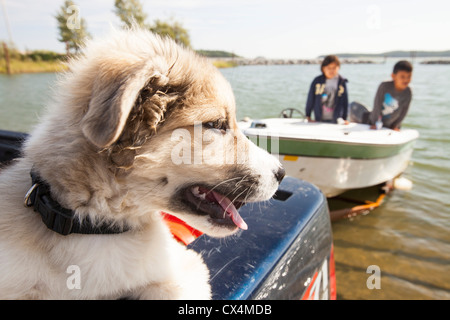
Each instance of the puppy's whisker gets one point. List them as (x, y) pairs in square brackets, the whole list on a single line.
[(225, 181), (248, 191), (241, 181)]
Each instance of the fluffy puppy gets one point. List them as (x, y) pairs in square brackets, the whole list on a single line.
[(138, 125)]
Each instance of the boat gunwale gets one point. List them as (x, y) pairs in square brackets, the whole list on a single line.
[(334, 141), (346, 137), (332, 149)]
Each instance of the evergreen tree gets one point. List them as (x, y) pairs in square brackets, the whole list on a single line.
[(172, 29), (129, 12)]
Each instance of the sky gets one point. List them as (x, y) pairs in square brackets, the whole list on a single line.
[(256, 28)]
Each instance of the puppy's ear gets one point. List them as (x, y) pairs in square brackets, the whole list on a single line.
[(113, 97)]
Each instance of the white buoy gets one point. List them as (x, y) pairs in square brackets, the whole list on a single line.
[(401, 183)]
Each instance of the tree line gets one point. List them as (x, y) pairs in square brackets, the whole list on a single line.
[(73, 32)]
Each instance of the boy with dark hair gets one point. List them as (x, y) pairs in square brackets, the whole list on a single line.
[(327, 96), (393, 98)]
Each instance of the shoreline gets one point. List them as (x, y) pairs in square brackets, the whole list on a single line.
[(236, 62), (435, 62), (260, 61), (20, 67)]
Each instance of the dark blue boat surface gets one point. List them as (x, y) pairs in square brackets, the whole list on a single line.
[(288, 240), (286, 253)]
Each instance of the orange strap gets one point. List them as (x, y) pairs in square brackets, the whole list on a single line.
[(370, 205), (180, 230)]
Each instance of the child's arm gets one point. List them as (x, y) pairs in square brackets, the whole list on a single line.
[(310, 101), (377, 105), (404, 110), (345, 98)]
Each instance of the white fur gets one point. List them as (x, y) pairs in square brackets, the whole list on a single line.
[(89, 114)]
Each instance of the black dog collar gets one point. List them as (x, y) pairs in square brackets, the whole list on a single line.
[(57, 218)]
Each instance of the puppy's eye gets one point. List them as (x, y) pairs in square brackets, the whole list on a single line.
[(220, 124)]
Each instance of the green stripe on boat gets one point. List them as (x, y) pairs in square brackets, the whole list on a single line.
[(317, 148)]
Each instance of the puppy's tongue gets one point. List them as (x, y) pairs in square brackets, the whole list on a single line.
[(230, 209)]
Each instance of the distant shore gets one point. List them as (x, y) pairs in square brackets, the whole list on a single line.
[(235, 62), (436, 62), (18, 66)]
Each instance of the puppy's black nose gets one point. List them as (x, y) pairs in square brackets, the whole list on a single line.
[(279, 175)]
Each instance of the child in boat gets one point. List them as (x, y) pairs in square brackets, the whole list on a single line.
[(393, 98), (328, 96)]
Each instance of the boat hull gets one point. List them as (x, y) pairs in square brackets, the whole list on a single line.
[(335, 158), (334, 176)]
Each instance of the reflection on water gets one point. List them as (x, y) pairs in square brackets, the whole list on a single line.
[(22, 99)]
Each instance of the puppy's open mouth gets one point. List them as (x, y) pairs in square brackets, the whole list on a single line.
[(221, 209)]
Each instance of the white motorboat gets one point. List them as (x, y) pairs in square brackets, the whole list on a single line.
[(334, 157)]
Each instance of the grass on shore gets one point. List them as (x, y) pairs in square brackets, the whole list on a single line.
[(224, 63), (19, 66)]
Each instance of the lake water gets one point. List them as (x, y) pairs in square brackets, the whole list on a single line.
[(408, 237)]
